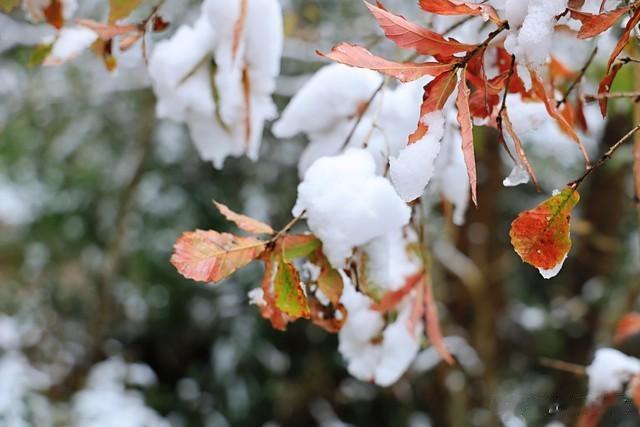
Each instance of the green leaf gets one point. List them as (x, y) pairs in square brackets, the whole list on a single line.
[(298, 245), (120, 9), (290, 298), (39, 54), (8, 5)]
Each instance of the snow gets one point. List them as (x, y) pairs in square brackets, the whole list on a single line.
[(256, 297), (201, 81), (347, 204), (517, 176), (530, 39), (608, 372), (70, 42), (367, 359), (388, 261), (106, 401), (412, 170), (333, 95)]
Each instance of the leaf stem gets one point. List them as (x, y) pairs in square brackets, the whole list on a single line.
[(604, 158), (581, 74)]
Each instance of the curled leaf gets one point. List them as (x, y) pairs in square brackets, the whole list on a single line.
[(209, 256), (541, 235), (624, 39), (466, 130), (246, 223), (298, 245), (434, 333), (454, 7), (594, 24), (605, 87)]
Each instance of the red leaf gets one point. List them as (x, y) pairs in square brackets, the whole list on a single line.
[(453, 7), (466, 130), (541, 235), (244, 222), (357, 56), (436, 94), (628, 326), (411, 36), (594, 24), (541, 92), (433, 323), (605, 87), (633, 390), (390, 299), (53, 12), (159, 24), (590, 415), (328, 318), (209, 256), (624, 39), (522, 155)]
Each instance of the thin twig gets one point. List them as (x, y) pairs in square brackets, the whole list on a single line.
[(561, 365), (604, 158), (578, 78), (611, 95)]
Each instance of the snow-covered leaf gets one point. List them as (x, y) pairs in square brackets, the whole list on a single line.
[(436, 94)]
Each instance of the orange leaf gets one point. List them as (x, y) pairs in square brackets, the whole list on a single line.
[(466, 130), (541, 92), (633, 390), (605, 87), (244, 222), (436, 94), (624, 39), (590, 415), (53, 12), (594, 24), (628, 326), (357, 56), (390, 299), (108, 31), (327, 317), (433, 323), (289, 296), (209, 256), (541, 235), (522, 155), (329, 280), (453, 7), (411, 36)]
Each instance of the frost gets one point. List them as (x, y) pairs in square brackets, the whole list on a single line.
[(608, 372), (412, 170), (518, 175), (71, 42), (347, 204), (552, 272)]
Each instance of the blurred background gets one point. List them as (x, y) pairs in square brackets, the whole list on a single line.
[(98, 329)]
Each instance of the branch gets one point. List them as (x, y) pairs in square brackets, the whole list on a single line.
[(575, 82), (605, 157)]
